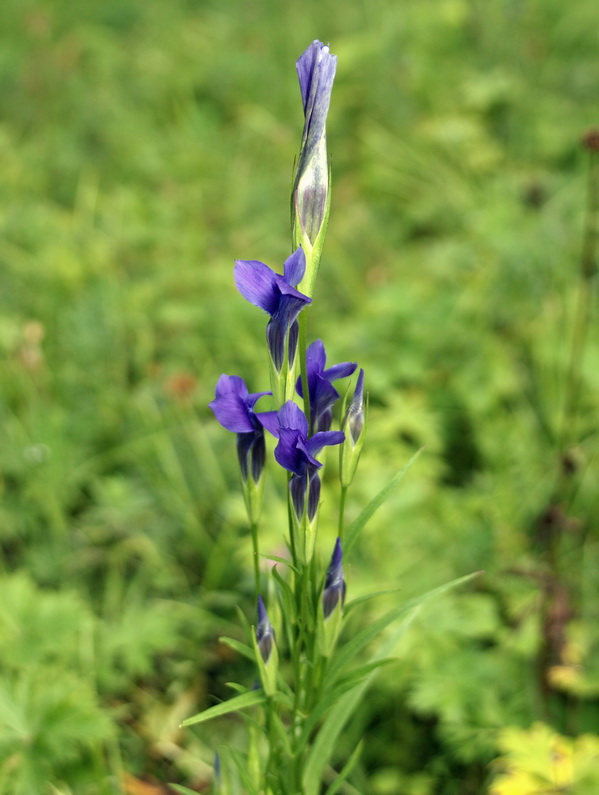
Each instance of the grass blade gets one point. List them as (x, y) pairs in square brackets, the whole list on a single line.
[(375, 503), (324, 744), (250, 699), (346, 770)]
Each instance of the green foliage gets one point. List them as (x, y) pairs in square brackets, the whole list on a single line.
[(52, 726), (541, 761)]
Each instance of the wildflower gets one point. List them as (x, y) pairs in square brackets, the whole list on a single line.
[(266, 650), (353, 425), (233, 407), (296, 453), (333, 598), (311, 195), (322, 392), (277, 295)]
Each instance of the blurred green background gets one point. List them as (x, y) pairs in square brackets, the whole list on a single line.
[(143, 147)]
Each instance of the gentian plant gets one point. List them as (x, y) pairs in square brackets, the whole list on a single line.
[(308, 680)]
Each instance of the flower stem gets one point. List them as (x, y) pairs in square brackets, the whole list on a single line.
[(256, 556), (341, 527), (303, 331)]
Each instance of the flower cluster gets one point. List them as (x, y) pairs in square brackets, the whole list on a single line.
[(304, 400), (297, 373), (298, 445)]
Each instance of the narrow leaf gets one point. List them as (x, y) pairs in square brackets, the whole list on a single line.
[(319, 710), (242, 648), (237, 687), (374, 504), (284, 561), (346, 770), (366, 597), (361, 639), (364, 636), (325, 741), (249, 699)]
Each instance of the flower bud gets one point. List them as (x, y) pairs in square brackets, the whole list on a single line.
[(333, 598), (354, 427), (251, 451), (310, 203), (265, 647)]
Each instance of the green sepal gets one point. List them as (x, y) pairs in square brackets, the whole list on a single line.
[(253, 492), (312, 249), (267, 670), (304, 532), (282, 382), (350, 451), (328, 629)]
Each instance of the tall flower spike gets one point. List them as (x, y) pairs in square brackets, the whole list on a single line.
[(277, 295), (310, 201), (320, 388)]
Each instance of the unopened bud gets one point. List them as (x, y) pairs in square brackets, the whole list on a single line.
[(354, 426), (334, 586), (311, 199), (333, 599), (266, 651)]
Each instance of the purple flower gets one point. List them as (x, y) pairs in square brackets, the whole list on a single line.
[(322, 392), (277, 295), (296, 453), (316, 72), (265, 634), (233, 407), (334, 585)]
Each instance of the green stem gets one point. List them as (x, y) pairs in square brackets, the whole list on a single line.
[(290, 521), (256, 556), (270, 766), (303, 330), (342, 512)]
